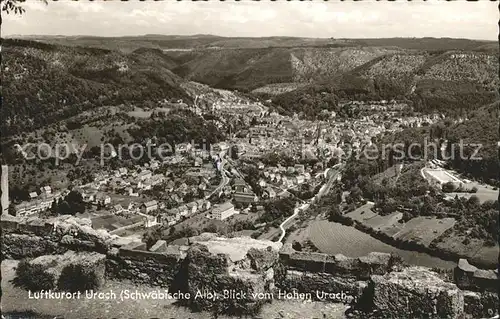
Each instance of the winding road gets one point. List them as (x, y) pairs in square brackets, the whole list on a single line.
[(323, 190)]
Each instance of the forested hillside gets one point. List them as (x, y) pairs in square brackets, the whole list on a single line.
[(43, 84)]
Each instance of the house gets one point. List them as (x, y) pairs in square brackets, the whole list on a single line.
[(245, 198), (46, 190), (132, 192), (122, 171), (176, 213), (198, 162), (206, 205), (223, 211), (146, 174), (269, 192), (176, 198), (183, 210), (262, 183), (26, 209), (170, 186), (149, 221), (33, 195), (199, 203), (166, 219), (202, 186), (299, 168), (148, 207), (88, 197), (147, 185), (300, 179), (118, 208), (128, 205), (192, 208), (154, 165), (240, 185), (102, 199), (284, 194), (285, 181)]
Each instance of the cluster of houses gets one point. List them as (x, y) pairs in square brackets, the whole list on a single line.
[(286, 176), (39, 202), (175, 215)]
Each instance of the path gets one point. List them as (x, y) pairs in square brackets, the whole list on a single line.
[(323, 190)]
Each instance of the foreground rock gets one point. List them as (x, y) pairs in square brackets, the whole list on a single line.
[(33, 237), (481, 305), (68, 272), (228, 279), (415, 292)]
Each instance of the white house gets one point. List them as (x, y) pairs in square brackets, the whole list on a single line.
[(146, 174), (183, 210), (46, 190), (223, 211), (192, 208)]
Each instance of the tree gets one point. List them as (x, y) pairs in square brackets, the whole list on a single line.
[(75, 202), (473, 201), (13, 6), (449, 187), (334, 213), (234, 152), (297, 246), (12, 210)]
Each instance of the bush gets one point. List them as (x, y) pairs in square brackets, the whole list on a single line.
[(297, 246), (474, 189), (449, 187), (75, 278), (33, 276)]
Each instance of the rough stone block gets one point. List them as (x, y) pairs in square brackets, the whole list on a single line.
[(416, 292)]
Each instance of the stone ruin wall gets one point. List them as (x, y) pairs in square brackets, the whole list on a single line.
[(33, 238), (167, 266)]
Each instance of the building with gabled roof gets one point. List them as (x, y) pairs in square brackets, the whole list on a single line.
[(150, 206)]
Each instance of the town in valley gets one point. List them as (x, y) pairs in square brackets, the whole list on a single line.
[(286, 176)]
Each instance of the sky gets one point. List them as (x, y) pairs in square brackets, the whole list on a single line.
[(319, 19)]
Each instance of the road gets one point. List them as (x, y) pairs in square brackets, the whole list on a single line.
[(223, 182), (323, 190), (296, 211)]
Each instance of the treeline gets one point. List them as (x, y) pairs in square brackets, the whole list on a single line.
[(181, 126), (480, 129), (309, 101)]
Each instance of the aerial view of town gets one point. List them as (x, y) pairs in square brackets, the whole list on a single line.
[(206, 176)]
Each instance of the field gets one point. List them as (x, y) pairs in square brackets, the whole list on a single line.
[(362, 213), (385, 223), (473, 248), (424, 229), (441, 175), (484, 192), (140, 113), (335, 238), (16, 300)]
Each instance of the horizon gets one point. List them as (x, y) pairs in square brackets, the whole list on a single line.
[(13, 36), (319, 20)]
